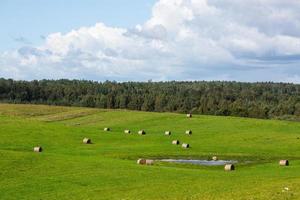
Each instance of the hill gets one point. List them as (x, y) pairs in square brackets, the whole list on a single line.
[(107, 169)]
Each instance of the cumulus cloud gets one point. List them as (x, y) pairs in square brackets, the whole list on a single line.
[(257, 40)]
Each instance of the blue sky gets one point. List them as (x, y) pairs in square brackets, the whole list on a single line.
[(138, 40), (28, 21)]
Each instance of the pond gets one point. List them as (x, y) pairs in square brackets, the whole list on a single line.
[(201, 162)]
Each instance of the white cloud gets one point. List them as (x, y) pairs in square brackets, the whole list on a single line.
[(257, 40)]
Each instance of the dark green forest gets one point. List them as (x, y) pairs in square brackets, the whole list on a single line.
[(257, 100)]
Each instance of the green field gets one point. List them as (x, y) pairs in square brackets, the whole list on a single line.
[(107, 169)]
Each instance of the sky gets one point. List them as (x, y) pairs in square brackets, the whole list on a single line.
[(30, 21), (159, 40)]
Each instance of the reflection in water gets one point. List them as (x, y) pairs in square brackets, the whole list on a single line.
[(201, 162)]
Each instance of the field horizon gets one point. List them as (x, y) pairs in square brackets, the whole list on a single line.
[(108, 169)]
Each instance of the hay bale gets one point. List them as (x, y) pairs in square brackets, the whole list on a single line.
[(141, 132), (37, 149), (284, 163), (127, 131), (87, 141), (176, 142), (185, 146), (229, 167), (189, 115), (168, 133), (149, 162), (141, 161), (106, 129), (214, 158), (188, 132)]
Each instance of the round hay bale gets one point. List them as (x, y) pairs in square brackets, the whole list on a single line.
[(149, 162), (176, 142), (87, 141), (185, 146), (214, 158), (141, 132), (127, 131), (141, 161), (188, 132), (168, 133), (189, 115), (284, 163), (106, 129), (229, 167), (37, 149)]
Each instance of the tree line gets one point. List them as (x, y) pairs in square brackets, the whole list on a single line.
[(257, 100)]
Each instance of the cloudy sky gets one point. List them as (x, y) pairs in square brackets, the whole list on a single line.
[(138, 40)]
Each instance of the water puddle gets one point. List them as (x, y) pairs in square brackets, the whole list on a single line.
[(201, 162)]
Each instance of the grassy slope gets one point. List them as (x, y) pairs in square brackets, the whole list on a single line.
[(107, 169)]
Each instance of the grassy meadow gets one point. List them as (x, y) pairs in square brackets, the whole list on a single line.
[(107, 168)]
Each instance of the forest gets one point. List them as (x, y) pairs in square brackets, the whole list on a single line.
[(256, 100)]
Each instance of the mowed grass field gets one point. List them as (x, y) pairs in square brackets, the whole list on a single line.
[(107, 169)]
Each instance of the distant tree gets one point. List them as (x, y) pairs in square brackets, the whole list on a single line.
[(260, 100), (88, 101)]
